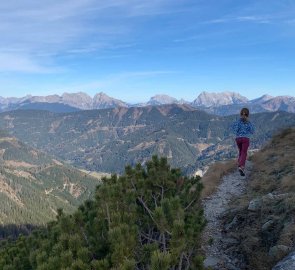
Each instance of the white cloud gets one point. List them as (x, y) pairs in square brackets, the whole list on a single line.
[(249, 18), (254, 19), (57, 24), (112, 81), (35, 31), (23, 63)]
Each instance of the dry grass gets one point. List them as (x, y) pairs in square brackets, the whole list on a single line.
[(274, 165), (97, 175), (287, 235), (214, 174)]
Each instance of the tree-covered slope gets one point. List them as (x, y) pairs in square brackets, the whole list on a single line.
[(33, 185), (106, 140), (148, 218)]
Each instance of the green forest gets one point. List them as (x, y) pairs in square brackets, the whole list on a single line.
[(150, 217), (33, 185)]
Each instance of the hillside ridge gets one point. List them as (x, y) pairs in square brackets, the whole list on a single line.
[(33, 185), (254, 213)]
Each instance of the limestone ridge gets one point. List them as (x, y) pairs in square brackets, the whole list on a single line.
[(228, 103), (162, 99), (224, 103), (78, 100), (103, 101), (206, 99)]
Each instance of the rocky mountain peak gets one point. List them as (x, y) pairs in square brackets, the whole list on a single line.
[(207, 99), (261, 99), (102, 101), (281, 103), (162, 99), (48, 99), (102, 97), (79, 100)]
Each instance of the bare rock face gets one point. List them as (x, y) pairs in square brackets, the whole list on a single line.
[(280, 103), (206, 99), (13, 100), (224, 103), (261, 99), (161, 100), (103, 101), (48, 99), (79, 100)]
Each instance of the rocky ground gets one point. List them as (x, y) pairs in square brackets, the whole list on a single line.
[(219, 247)]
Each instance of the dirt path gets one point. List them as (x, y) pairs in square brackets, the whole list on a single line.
[(216, 244)]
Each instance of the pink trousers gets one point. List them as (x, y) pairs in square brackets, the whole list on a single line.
[(243, 144)]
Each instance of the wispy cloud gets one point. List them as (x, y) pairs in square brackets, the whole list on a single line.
[(251, 19), (115, 80), (39, 30), (254, 19), (24, 63)]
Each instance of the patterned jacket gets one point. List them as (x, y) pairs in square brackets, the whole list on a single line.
[(243, 128)]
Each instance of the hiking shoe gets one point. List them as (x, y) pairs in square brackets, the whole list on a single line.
[(241, 171)]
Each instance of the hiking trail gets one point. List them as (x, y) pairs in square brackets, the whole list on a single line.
[(217, 246)]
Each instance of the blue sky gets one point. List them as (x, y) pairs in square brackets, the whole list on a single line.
[(134, 49)]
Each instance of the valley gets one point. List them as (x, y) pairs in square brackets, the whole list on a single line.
[(107, 140)]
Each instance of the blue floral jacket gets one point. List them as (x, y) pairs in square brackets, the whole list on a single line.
[(243, 128)]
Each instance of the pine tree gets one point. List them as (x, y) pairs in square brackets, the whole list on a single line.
[(148, 218)]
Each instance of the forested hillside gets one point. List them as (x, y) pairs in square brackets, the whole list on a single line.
[(107, 140), (33, 185), (148, 218)]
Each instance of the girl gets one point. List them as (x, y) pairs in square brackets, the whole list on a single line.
[(243, 129)]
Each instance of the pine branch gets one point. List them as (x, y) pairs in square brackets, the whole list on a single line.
[(164, 242), (149, 238), (189, 205), (162, 191), (155, 200), (150, 213), (108, 215), (180, 262)]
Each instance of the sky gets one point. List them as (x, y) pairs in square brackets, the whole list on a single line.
[(135, 49)]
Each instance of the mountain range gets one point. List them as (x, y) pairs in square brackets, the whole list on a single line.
[(107, 140), (225, 103)]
